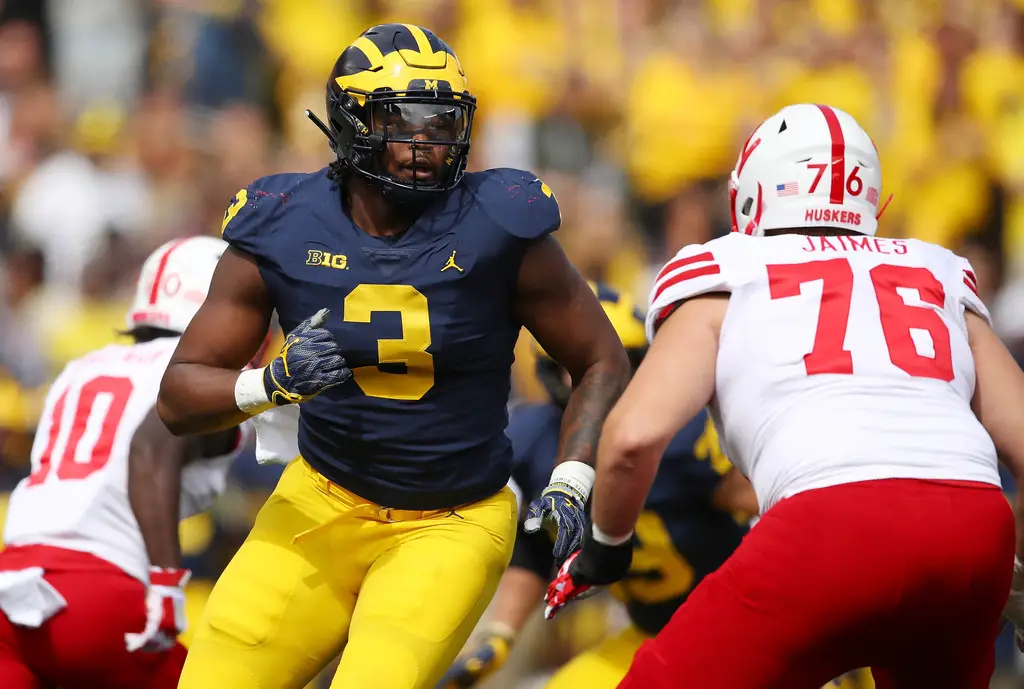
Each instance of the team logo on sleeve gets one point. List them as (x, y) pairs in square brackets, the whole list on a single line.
[(239, 200)]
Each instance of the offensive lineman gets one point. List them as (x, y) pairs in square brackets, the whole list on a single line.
[(857, 382), (91, 588), (688, 528)]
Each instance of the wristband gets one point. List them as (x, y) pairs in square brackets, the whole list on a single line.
[(576, 476), (607, 539), (170, 577), (250, 393)]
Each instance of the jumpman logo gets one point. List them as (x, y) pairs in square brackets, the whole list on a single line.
[(450, 263)]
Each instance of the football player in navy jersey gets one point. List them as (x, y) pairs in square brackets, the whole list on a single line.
[(694, 517), (402, 282)]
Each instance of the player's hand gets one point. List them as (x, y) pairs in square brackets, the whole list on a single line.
[(309, 363), (596, 564), (165, 611), (1014, 608), (481, 661), (563, 505)]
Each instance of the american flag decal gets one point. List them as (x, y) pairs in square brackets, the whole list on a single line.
[(872, 195), (787, 189)]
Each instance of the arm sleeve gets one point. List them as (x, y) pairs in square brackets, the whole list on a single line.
[(247, 219), (969, 297), (695, 270)]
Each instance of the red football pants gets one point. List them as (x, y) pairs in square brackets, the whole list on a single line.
[(907, 577), (82, 646)]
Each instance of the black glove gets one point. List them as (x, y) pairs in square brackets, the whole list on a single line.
[(595, 564)]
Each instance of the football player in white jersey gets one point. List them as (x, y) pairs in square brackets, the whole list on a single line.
[(91, 584), (857, 382)]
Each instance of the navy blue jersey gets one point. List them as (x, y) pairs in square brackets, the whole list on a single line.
[(426, 323), (681, 535)]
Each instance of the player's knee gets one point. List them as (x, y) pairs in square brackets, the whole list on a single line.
[(386, 665), (209, 666), (587, 671)]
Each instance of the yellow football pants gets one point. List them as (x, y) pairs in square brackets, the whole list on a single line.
[(324, 571), (604, 666), (858, 679)]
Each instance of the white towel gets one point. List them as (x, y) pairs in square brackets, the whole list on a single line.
[(277, 434), (27, 598)]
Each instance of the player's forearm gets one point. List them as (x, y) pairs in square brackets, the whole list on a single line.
[(154, 487), (517, 597), (626, 467), (199, 399), (592, 398), (735, 494), (619, 494)]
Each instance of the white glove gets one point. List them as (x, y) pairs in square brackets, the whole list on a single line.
[(165, 611)]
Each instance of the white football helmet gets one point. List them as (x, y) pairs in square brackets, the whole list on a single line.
[(806, 166), (174, 282)]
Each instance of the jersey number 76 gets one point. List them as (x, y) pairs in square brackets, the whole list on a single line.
[(897, 317)]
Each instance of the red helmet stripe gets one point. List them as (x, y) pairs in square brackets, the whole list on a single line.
[(835, 131), (748, 149), (154, 291)]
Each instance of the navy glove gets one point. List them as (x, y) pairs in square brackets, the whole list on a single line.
[(596, 564), (480, 662), (309, 363), (563, 506)]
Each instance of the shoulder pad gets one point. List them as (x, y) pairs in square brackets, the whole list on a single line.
[(968, 284), (249, 217), (517, 200), (697, 269)]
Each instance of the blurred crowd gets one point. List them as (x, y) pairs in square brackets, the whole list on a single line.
[(124, 123)]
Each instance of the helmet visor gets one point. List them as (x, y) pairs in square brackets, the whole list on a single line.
[(420, 139), (425, 123)]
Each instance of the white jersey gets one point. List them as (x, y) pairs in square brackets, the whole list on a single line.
[(77, 494), (840, 359)]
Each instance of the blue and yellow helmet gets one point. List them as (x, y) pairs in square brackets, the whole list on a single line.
[(628, 321), (399, 83)]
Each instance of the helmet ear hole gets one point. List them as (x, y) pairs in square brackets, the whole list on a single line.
[(747, 205)]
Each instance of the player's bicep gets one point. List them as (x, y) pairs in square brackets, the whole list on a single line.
[(558, 307), (998, 392), (677, 377), (232, 323)]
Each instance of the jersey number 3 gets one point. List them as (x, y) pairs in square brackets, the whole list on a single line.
[(99, 421), (410, 349), (898, 319)]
